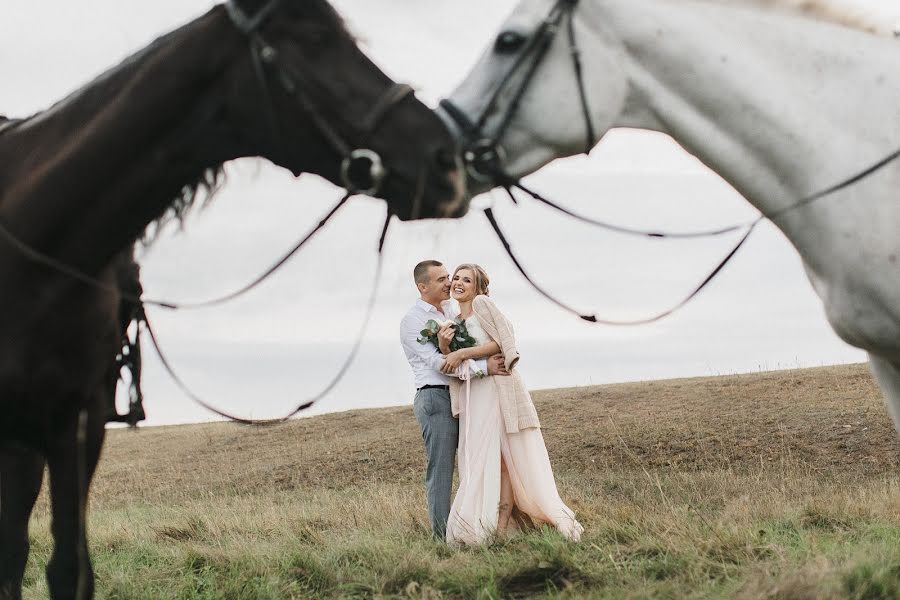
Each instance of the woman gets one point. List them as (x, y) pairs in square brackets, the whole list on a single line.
[(503, 463)]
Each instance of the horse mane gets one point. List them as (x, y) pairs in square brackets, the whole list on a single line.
[(83, 102), (201, 192), (196, 194), (872, 16)]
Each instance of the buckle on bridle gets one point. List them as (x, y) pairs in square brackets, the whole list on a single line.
[(363, 171), (484, 160)]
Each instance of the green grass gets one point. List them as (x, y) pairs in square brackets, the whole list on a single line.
[(782, 485), (703, 535)]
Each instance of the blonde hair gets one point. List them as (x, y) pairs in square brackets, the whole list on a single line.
[(482, 281)]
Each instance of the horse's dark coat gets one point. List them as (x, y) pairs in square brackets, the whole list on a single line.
[(81, 181)]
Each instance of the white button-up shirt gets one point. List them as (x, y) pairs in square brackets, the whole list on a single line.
[(424, 359)]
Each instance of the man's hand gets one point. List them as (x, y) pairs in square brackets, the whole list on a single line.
[(497, 365)]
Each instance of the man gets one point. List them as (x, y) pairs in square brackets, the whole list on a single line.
[(440, 429)]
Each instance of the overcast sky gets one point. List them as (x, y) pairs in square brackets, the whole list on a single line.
[(265, 352)]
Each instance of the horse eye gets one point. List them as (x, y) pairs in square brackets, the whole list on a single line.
[(508, 41)]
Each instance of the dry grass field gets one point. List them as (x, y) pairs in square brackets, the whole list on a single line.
[(770, 485)]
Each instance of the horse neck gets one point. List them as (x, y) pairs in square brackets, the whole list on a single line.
[(780, 107), (107, 160)]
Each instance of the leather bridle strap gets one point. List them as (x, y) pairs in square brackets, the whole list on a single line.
[(579, 80), (250, 24), (355, 159), (537, 45), (391, 97), (484, 154)]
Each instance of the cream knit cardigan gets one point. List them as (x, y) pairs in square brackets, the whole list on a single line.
[(515, 402)]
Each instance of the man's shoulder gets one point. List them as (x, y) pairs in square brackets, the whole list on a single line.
[(414, 312), (416, 315)]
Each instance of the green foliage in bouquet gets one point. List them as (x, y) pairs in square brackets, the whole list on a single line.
[(460, 340)]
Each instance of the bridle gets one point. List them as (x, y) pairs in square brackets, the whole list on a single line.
[(362, 163), (362, 169), (484, 157), (484, 154)]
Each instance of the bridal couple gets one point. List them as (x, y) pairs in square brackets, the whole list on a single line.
[(472, 404)]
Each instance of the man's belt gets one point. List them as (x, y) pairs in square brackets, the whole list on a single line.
[(433, 387)]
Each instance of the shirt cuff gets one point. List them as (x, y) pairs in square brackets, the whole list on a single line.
[(481, 368)]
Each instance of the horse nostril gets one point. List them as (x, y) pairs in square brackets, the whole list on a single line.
[(445, 159)]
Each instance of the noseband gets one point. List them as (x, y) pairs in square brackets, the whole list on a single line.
[(362, 169), (483, 154)]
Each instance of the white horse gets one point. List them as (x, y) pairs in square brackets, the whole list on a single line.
[(779, 106)]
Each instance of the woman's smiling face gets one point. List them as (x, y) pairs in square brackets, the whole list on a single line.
[(463, 287)]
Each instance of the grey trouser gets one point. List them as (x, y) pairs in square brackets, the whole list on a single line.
[(441, 432)]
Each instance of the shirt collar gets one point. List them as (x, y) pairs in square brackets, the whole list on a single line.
[(447, 305), (425, 306)]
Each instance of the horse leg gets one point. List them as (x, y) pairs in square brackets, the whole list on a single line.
[(72, 460), (21, 473), (887, 375)]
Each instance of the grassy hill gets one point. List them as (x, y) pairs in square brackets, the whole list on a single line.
[(769, 485)]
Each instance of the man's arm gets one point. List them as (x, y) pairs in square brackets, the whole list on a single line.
[(409, 334)]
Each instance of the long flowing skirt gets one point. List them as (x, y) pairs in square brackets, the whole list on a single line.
[(482, 442)]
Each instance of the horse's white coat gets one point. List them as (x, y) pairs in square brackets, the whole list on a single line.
[(881, 17), (779, 106)]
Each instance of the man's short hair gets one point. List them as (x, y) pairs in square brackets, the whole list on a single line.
[(420, 272)]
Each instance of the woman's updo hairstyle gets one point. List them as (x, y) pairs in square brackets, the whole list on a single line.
[(482, 281)]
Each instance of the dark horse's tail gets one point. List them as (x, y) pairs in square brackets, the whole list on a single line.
[(128, 278)]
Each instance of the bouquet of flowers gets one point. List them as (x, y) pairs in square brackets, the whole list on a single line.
[(461, 338)]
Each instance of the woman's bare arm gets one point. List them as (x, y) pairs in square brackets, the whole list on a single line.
[(454, 359), (483, 351)]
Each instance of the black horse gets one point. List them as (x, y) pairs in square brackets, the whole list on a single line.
[(82, 180)]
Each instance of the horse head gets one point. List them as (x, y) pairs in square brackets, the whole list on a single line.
[(517, 110), (316, 103)]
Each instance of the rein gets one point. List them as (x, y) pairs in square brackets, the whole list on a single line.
[(141, 316), (46, 260), (484, 158), (308, 402)]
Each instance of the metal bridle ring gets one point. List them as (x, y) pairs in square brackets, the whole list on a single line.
[(374, 174)]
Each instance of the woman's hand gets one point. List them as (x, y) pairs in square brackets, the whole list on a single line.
[(445, 336), (452, 362)]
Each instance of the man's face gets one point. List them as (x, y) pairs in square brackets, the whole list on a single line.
[(437, 289)]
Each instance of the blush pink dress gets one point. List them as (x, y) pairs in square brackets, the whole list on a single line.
[(482, 441)]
